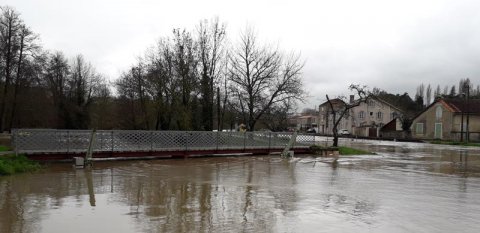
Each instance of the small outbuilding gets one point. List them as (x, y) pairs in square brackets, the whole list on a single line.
[(449, 119)]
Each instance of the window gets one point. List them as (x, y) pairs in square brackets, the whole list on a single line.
[(380, 115), (438, 112), (371, 103), (361, 115), (371, 113), (419, 128)]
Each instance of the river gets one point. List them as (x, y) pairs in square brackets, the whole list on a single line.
[(405, 187)]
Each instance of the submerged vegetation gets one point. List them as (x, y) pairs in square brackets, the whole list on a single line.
[(4, 148), (11, 164), (352, 151), (342, 150)]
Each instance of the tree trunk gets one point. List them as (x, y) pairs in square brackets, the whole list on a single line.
[(335, 140)]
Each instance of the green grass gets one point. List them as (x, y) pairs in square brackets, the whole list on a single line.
[(455, 143), (343, 150), (4, 148), (11, 164), (352, 151)]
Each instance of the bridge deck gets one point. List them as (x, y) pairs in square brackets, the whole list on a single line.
[(47, 144)]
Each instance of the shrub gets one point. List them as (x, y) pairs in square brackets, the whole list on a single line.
[(10, 164)]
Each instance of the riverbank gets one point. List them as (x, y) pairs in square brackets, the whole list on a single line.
[(12, 164), (455, 143)]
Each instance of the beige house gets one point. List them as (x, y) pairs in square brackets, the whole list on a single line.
[(304, 122), (370, 116), (363, 120), (444, 119), (325, 119)]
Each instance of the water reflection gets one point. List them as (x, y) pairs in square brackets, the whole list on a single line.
[(413, 188)]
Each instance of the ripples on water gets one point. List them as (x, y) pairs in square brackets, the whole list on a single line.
[(406, 187)]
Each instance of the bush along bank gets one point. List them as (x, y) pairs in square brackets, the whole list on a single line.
[(11, 164)]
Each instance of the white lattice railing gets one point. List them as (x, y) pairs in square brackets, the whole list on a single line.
[(76, 141)]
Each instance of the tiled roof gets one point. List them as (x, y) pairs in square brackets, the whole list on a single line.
[(460, 105)]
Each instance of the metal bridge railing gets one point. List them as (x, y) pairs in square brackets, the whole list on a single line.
[(76, 141)]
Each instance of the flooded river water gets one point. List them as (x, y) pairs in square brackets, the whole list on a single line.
[(406, 187)]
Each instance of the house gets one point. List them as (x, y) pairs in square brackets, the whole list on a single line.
[(366, 119), (448, 119), (325, 122), (304, 122), (369, 117)]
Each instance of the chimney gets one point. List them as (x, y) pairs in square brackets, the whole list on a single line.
[(352, 97)]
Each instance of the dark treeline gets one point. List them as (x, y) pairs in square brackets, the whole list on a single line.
[(190, 80), (425, 95), (41, 88)]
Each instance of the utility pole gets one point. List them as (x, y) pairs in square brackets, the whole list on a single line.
[(461, 128), (467, 137)]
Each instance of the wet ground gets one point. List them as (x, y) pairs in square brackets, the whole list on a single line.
[(406, 187)]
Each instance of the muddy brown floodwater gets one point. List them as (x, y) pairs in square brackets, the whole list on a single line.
[(406, 187)]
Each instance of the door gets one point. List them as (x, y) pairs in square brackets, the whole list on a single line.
[(438, 130)]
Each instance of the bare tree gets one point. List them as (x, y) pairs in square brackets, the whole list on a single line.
[(10, 24), (27, 49), (262, 77), (57, 72), (276, 118), (339, 111), (185, 66), (453, 92), (437, 93), (419, 96), (428, 95), (140, 85), (445, 90), (161, 88), (211, 37), (82, 86)]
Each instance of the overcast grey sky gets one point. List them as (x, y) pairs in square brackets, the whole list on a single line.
[(393, 45)]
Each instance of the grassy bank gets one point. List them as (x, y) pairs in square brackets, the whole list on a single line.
[(4, 148), (343, 150), (11, 164), (455, 143)]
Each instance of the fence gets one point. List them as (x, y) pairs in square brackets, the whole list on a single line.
[(76, 141), (473, 136)]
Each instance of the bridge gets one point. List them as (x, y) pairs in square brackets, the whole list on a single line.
[(50, 144)]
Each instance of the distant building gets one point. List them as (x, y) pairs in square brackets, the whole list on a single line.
[(444, 118), (325, 123), (304, 122), (363, 120), (368, 118)]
